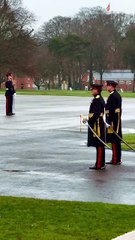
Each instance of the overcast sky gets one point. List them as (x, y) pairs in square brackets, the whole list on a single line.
[(47, 9)]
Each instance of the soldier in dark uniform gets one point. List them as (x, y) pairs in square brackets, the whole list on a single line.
[(9, 94), (96, 122), (113, 119)]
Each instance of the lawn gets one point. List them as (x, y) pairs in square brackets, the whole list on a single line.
[(34, 219), (78, 93), (130, 139)]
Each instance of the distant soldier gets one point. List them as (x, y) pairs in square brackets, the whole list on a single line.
[(9, 94), (96, 122), (113, 119)]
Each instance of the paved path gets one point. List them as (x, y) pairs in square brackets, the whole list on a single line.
[(44, 154), (127, 236)]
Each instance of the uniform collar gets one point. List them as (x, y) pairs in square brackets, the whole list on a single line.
[(112, 92), (97, 96)]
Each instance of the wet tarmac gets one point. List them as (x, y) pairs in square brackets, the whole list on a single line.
[(44, 153)]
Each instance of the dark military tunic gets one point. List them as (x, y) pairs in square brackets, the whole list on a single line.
[(113, 117), (96, 122), (9, 96)]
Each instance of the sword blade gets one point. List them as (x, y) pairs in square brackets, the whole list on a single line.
[(123, 140), (98, 137)]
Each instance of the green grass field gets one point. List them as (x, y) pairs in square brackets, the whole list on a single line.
[(34, 219), (67, 93), (130, 139)]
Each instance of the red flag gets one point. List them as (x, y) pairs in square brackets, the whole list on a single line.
[(108, 7)]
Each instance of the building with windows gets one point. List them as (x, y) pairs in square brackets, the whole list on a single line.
[(23, 82), (125, 79)]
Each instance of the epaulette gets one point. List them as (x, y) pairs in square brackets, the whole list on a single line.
[(98, 96)]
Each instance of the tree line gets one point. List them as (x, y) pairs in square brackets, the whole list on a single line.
[(64, 48)]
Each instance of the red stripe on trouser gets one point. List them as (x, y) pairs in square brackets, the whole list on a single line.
[(114, 160), (99, 156), (7, 104)]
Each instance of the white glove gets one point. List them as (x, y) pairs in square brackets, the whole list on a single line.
[(85, 120), (14, 94), (107, 125)]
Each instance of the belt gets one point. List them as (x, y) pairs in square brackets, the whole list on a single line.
[(91, 115), (117, 110)]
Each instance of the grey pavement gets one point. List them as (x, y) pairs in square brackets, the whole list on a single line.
[(44, 153), (127, 236)]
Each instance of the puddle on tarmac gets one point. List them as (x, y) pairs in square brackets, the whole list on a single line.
[(15, 170)]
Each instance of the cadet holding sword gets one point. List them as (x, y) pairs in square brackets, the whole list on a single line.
[(113, 120), (96, 126)]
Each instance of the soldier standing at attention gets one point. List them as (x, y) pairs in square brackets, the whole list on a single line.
[(113, 119), (96, 122), (9, 94)]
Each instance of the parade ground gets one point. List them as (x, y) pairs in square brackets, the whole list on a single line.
[(44, 154)]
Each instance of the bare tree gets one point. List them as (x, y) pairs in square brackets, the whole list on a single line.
[(16, 40), (56, 27), (101, 37), (128, 48)]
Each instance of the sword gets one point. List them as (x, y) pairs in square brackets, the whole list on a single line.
[(98, 137), (96, 134), (122, 139)]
